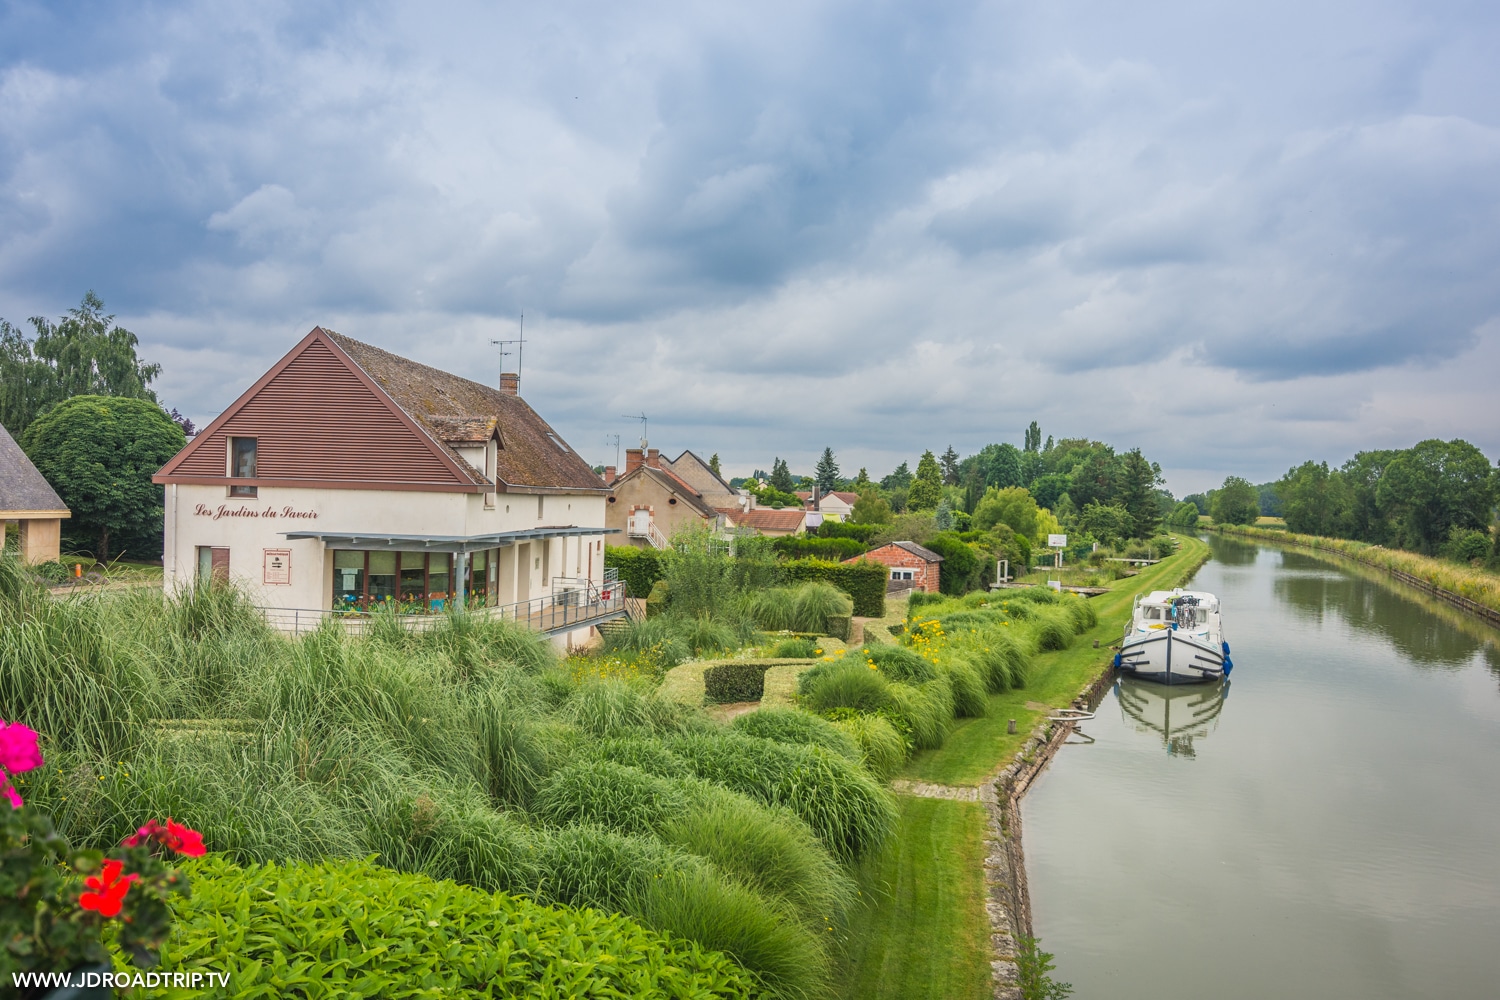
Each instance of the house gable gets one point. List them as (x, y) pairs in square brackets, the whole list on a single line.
[(321, 421)]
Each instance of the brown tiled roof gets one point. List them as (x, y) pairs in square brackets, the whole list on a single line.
[(22, 487), (766, 518), (917, 550), (531, 455)]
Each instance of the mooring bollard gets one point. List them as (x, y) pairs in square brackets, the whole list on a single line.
[(1011, 728), (1096, 643)]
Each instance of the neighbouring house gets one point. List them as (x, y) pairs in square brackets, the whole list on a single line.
[(767, 520), (912, 567), (835, 506), (698, 474), (650, 502), (27, 498), (348, 478)]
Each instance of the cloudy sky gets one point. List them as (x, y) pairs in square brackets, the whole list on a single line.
[(1235, 235)]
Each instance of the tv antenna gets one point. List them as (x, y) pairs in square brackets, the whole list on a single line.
[(642, 418), (616, 439), (518, 344)]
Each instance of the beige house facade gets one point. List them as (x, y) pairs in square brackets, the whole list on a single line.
[(29, 500), (650, 503)]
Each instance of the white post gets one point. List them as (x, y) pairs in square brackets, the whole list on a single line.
[(460, 566)]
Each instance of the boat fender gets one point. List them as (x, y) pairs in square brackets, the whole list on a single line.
[(1226, 648), (1117, 661), (1228, 666)]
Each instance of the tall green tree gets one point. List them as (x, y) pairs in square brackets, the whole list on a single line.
[(1012, 506), (950, 466), (1110, 523), (1434, 487), (1137, 493), (1236, 502), (781, 477), (899, 479), (862, 480), (826, 475), (871, 507), (927, 488), (1034, 437), (99, 453), (713, 464), (83, 353)]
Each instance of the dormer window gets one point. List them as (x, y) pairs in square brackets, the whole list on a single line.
[(241, 465)]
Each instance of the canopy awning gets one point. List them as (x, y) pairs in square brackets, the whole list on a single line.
[(389, 542)]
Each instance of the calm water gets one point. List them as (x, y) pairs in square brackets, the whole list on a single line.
[(1327, 827)]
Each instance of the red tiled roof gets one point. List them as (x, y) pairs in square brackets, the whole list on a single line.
[(766, 518)]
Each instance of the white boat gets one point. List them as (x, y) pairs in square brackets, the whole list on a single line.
[(1175, 637), (1178, 714)]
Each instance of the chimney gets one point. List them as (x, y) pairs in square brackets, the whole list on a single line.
[(653, 458), (609, 474), (633, 459), (817, 498), (510, 384)]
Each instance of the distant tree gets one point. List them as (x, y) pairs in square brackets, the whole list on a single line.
[(943, 516), (1199, 500), (899, 479), (1435, 487), (1270, 501), (1049, 443), (1096, 479), (781, 477), (1110, 523), (1184, 516), (871, 508), (1137, 493), (1309, 499), (1003, 465), (99, 453), (862, 480), (1048, 488), (84, 353), (827, 473), (1034, 438), (927, 488), (188, 429), (1011, 506), (973, 488), (713, 463), (1236, 502), (950, 466)]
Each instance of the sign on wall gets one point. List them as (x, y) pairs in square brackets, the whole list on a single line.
[(1057, 541), (278, 567)]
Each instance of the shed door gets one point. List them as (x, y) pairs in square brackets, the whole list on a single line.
[(213, 564)]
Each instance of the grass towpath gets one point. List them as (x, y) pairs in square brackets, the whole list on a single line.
[(924, 935)]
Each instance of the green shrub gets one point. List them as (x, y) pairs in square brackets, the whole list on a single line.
[(607, 707), (844, 806), (1053, 629), (845, 683), (788, 725), (794, 649), (768, 850), (922, 599), (659, 637), (882, 750), (804, 547), (926, 711), (999, 655), (863, 581), (614, 796), (639, 568), (846, 529), (900, 663), (735, 681), (1081, 612), (704, 635), (349, 928), (969, 701), (656, 601)]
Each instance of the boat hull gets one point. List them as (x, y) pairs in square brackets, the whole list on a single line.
[(1169, 656)]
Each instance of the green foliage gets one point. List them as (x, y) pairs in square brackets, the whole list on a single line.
[(871, 508), (99, 453), (1012, 505), (639, 568), (1236, 502), (610, 795), (926, 490), (845, 683), (659, 636), (1467, 545), (963, 569), (374, 932), (848, 811), (798, 648), (735, 681), (899, 663), (1138, 480), (1110, 523), (41, 924), (607, 707), (864, 582), (1053, 629), (923, 712), (803, 547), (845, 529), (781, 477), (969, 694), (83, 354), (882, 750), (1184, 515), (1032, 968), (827, 473), (789, 725), (808, 607)]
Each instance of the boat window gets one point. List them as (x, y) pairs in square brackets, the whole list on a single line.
[(1153, 614)]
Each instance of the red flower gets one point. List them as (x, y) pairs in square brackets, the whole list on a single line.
[(109, 890), (179, 838)]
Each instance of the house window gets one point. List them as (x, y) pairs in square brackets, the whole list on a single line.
[(241, 465), (903, 574), (213, 564), (416, 581), (539, 500)]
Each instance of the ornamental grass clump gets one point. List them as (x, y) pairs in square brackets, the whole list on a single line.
[(609, 795), (1052, 629), (925, 711), (882, 748), (842, 804), (901, 663), (608, 708), (999, 654), (658, 637), (789, 725), (969, 696), (1082, 613), (844, 683)]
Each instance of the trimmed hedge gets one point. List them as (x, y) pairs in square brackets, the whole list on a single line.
[(736, 681), (803, 547), (846, 529), (351, 928), (863, 581), (639, 568)]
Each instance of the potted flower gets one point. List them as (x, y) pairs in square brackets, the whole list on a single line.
[(56, 900)]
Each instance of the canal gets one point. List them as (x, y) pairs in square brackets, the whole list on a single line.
[(1327, 826)]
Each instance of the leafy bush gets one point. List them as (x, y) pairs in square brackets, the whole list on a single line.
[(844, 806), (639, 568), (969, 701), (925, 711), (736, 681), (882, 750), (804, 547), (963, 568), (656, 601), (846, 529), (372, 932), (900, 663), (863, 581), (845, 683), (788, 725), (1053, 629)]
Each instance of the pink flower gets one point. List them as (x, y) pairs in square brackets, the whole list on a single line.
[(179, 838), (18, 749), (109, 890), (13, 795)]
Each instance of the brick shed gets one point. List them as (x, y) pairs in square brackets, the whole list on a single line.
[(912, 567)]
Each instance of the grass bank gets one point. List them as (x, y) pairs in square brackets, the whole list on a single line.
[(924, 932), (1476, 585)]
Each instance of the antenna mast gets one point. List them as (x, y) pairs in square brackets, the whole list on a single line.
[(616, 439), (519, 343), (642, 418)]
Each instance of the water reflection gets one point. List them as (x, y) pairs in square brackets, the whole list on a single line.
[(1318, 591), (1178, 713), (1232, 551)]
